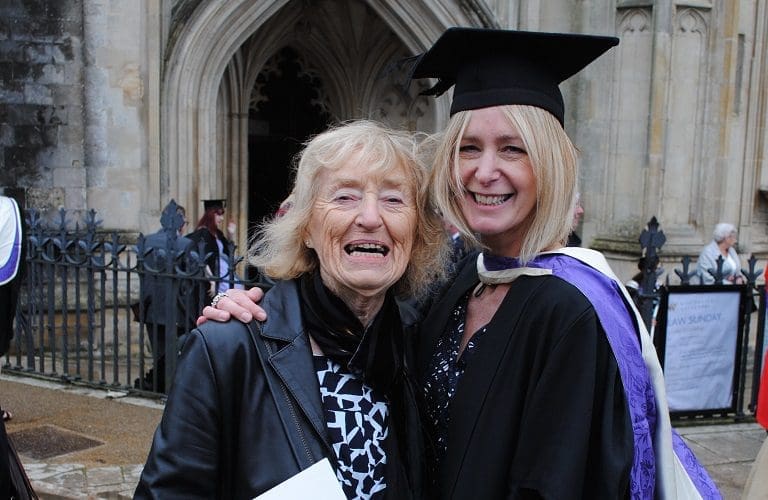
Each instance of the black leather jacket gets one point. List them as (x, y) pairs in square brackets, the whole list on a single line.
[(221, 435)]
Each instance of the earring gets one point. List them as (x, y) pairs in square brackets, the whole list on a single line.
[(307, 243)]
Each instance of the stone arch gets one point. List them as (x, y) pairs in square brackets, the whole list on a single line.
[(276, 136), (206, 78)]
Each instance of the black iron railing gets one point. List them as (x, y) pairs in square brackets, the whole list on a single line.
[(94, 307), (649, 298)]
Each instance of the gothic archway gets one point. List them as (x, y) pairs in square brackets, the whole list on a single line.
[(285, 111), (215, 59)]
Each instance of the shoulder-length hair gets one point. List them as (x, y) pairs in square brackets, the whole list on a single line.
[(278, 247), (554, 161)]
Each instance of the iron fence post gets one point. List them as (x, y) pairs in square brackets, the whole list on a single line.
[(751, 274), (651, 241)]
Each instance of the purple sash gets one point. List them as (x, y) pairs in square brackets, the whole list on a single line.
[(10, 235), (621, 332)]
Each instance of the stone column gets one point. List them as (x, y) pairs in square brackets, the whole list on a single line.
[(95, 84)]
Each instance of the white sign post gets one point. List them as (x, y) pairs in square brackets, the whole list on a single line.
[(701, 340)]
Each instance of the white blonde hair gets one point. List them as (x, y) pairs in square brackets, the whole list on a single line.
[(279, 247), (722, 231)]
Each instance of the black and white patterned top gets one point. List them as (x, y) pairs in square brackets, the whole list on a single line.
[(445, 371), (357, 422)]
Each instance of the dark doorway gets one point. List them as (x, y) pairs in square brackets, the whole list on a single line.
[(285, 115)]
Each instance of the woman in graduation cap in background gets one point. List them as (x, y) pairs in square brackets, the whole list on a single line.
[(540, 379), (208, 230)]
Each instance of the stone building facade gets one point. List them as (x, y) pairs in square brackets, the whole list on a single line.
[(119, 106)]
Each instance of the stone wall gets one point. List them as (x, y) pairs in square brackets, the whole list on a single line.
[(114, 105), (41, 101)]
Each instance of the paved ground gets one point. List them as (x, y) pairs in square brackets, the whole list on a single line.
[(52, 418), (118, 430)]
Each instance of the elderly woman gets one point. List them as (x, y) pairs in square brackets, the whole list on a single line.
[(327, 376), (724, 237)]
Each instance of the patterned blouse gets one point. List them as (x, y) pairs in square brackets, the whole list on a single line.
[(357, 424), (445, 371)]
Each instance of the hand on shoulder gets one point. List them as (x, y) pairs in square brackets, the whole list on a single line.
[(241, 305)]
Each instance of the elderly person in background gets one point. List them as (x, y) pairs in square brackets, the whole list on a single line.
[(334, 381), (724, 238)]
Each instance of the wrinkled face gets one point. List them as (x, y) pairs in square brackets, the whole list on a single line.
[(362, 228), (499, 183)]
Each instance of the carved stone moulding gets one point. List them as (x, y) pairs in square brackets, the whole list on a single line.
[(631, 4)]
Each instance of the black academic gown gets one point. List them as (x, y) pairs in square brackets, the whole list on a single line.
[(540, 411), (210, 246)]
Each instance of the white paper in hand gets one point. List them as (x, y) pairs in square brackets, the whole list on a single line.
[(317, 482)]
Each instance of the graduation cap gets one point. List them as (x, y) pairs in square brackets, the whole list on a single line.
[(496, 67), (211, 204)]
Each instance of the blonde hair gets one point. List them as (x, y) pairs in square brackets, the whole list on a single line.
[(554, 161), (279, 249)]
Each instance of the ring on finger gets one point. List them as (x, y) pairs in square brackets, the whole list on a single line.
[(217, 298)]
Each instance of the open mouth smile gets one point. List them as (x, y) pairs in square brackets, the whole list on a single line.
[(490, 200), (368, 249)]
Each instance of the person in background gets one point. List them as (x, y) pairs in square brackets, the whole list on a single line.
[(157, 288), (539, 375), (12, 263), (459, 251), (335, 379), (756, 487), (574, 240), (216, 244), (285, 206), (635, 284), (724, 239), (13, 480)]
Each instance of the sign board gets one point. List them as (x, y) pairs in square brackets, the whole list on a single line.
[(698, 338)]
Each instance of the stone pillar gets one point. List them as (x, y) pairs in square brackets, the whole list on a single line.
[(95, 85)]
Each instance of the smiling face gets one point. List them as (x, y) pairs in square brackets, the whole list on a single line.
[(362, 228), (499, 197)]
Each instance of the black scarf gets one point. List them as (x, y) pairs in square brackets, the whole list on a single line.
[(374, 354)]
